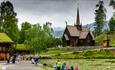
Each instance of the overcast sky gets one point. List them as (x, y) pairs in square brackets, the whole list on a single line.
[(57, 11)]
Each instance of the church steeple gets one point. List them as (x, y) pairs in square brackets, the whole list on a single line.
[(78, 25), (78, 17)]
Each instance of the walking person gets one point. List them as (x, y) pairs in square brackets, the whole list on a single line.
[(66, 68), (59, 65), (36, 60), (14, 59), (63, 66), (18, 59), (71, 68), (77, 68), (55, 66)]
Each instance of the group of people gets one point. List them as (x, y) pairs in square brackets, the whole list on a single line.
[(62, 66), (15, 59)]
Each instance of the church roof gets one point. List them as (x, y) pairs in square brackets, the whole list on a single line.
[(83, 35), (73, 30), (66, 37)]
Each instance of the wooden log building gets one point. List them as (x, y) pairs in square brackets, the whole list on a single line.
[(5, 43)]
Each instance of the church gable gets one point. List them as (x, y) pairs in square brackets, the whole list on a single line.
[(89, 36), (83, 35)]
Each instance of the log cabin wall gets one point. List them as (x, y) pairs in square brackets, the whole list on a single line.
[(4, 51)]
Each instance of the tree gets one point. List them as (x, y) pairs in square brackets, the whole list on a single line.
[(25, 26), (38, 37), (8, 21), (100, 17), (112, 3), (112, 23)]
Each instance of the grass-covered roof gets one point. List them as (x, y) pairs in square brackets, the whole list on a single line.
[(21, 47), (4, 38)]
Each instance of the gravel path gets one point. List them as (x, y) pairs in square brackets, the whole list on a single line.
[(25, 65)]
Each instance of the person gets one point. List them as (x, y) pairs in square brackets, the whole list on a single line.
[(36, 60), (32, 60), (58, 65), (77, 68), (55, 66), (71, 68), (18, 59), (66, 68), (14, 59), (63, 66), (8, 60)]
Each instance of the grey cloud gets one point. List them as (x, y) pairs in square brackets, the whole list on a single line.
[(56, 10)]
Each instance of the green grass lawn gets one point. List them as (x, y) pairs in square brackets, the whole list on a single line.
[(87, 64), (50, 52)]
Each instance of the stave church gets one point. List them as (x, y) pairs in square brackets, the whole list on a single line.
[(76, 35)]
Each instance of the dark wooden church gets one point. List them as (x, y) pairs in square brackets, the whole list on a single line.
[(76, 35)]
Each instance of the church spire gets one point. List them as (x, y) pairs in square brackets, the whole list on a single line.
[(78, 25), (78, 17)]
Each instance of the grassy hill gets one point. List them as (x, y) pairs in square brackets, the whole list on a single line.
[(100, 38)]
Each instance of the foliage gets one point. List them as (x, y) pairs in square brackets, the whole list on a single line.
[(54, 42), (100, 17), (25, 26), (8, 20), (21, 47), (38, 37), (100, 38), (112, 23), (112, 3)]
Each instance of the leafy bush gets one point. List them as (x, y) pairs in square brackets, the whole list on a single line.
[(75, 52)]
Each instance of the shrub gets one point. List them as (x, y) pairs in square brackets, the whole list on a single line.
[(75, 52)]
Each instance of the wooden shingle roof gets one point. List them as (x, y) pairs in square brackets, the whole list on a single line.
[(83, 35), (73, 30)]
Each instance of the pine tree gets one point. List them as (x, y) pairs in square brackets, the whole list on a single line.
[(112, 23), (100, 17), (8, 20), (112, 3)]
